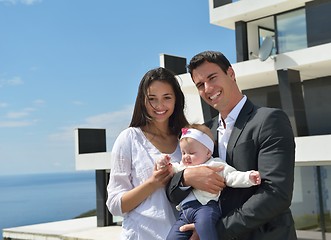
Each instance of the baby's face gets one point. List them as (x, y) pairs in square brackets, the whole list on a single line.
[(193, 152)]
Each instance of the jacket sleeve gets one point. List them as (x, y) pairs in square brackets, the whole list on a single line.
[(175, 193)]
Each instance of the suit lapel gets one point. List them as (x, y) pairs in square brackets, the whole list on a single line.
[(238, 127)]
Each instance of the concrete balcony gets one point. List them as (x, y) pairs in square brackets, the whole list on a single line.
[(247, 10), (255, 73)]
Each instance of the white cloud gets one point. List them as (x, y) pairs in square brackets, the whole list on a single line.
[(14, 119), (15, 81), (3, 104), (77, 103), (113, 122), (20, 114), (25, 2), (30, 2), (8, 1), (110, 119), (34, 68), (39, 102), (7, 124)]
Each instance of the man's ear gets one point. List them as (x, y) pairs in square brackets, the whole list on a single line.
[(231, 73)]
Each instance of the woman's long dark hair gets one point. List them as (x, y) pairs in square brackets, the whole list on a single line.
[(140, 116)]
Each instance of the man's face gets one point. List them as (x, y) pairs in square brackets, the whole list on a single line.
[(215, 87)]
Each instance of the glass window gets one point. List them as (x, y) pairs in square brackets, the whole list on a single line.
[(291, 31), (263, 33), (257, 31), (306, 200)]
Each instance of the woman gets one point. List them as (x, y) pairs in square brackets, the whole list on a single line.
[(136, 187)]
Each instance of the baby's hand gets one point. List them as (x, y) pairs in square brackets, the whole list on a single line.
[(254, 176), (163, 162)]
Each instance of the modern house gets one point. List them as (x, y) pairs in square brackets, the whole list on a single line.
[(283, 52)]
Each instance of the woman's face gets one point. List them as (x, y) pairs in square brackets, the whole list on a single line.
[(160, 101)]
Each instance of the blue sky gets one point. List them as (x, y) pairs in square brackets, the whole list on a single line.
[(77, 63)]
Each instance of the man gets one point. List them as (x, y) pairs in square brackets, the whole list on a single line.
[(249, 137)]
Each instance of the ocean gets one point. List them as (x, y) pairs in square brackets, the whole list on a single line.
[(39, 198)]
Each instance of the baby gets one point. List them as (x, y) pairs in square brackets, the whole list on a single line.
[(200, 207)]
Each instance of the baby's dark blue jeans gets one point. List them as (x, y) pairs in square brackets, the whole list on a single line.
[(204, 217)]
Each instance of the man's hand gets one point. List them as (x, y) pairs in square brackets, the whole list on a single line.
[(204, 178), (190, 227)]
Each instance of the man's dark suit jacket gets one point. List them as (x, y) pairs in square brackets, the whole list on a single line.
[(262, 139)]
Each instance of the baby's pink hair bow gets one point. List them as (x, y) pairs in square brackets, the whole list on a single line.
[(184, 131)]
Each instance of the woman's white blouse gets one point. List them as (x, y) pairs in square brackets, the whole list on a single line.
[(132, 163)]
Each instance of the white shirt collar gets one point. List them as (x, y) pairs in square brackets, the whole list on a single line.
[(233, 115)]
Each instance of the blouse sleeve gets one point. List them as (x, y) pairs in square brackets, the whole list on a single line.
[(120, 172)]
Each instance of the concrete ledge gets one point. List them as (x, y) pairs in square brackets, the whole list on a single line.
[(86, 229), (75, 229), (310, 235)]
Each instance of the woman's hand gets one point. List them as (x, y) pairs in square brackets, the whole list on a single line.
[(137, 195), (162, 172), (163, 162)]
